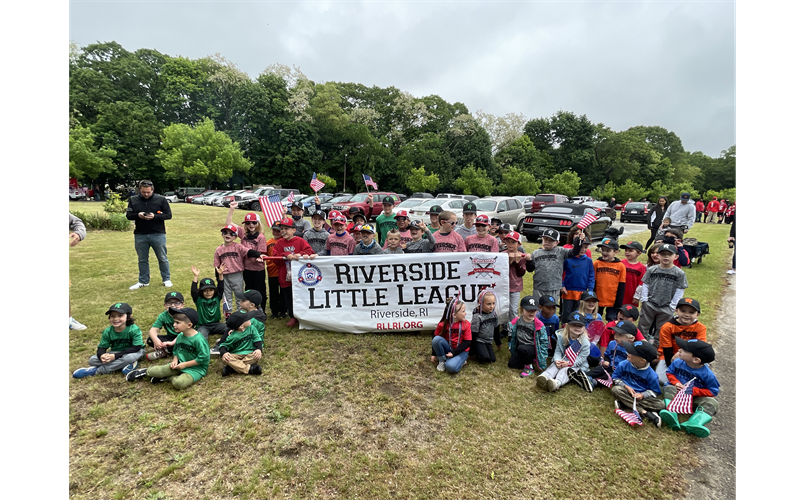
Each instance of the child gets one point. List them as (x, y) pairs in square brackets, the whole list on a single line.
[(634, 269), (547, 315), (386, 221), (251, 236), (693, 356), (452, 338), (403, 223), (610, 279), (163, 344), (576, 232), (623, 332), (634, 379), (564, 368), (125, 340), (354, 231), (191, 354), (300, 223), (468, 227), (250, 303), (367, 245), (517, 268), (674, 237), (446, 239), (547, 264), (291, 247), (207, 298), (652, 259), (685, 326), (494, 227), (663, 286), (435, 223), (421, 239), (278, 309), (485, 327), (481, 241), (317, 236), (578, 278), (357, 216), (233, 255), (393, 241), (340, 242), (628, 313), (588, 307), (528, 343), (666, 225), (243, 347)]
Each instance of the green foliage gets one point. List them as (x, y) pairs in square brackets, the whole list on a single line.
[(102, 221), (676, 190), (566, 183), (522, 154), (518, 182), (474, 181), (329, 183), (87, 161), (724, 194), (114, 205), (604, 193), (630, 189), (419, 181)]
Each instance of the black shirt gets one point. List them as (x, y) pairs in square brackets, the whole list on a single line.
[(156, 204)]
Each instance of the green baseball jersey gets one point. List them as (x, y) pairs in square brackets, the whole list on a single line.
[(165, 320), (120, 341), (384, 225), (209, 310), (242, 342), (195, 347), (260, 327)]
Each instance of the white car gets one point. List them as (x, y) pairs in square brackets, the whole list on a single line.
[(76, 194), (410, 203), (455, 205), (171, 197), (578, 200), (507, 209)]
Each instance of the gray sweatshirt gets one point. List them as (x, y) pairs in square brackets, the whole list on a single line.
[(424, 245), (464, 232), (316, 239), (77, 227), (548, 267), (483, 327)]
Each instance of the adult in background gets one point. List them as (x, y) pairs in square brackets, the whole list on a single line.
[(655, 217), (77, 234), (712, 210), (612, 203), (149, 212), (682, 213), (699, 210)]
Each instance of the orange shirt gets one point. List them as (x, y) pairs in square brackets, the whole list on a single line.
[(673, 329), (271, 265), (608, 275)]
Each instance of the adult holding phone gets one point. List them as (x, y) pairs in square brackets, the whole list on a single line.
[(149, 212)]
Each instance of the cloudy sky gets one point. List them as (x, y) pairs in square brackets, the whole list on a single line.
[(622, 64)]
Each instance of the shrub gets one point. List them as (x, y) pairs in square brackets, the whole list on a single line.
[(114, 205), (101, 221)]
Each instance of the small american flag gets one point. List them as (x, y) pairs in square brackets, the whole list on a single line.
[(586, 220), (272, 207), (315, 183), (290, 197), (605, 381), (572, 352), (227, 307), (683, 401), (632, 418), (369, 182)]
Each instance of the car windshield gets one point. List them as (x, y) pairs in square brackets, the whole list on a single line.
[(358, 197), (340, 199), (635, 206), (308, 199), (410, 203), (486, 205), (552, 209), (543, 197)]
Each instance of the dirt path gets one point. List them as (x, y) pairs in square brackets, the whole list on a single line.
[(716, 477)]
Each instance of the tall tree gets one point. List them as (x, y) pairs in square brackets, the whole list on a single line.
[(502, 130), (87, 161)]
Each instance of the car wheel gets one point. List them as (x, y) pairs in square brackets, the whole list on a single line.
[(520, 227), (255, 206)]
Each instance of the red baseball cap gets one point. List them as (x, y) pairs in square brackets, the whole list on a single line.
[(287, 221), (333, 214), (251, 217), (513, 235), (403, 214), (482, 219), (230, 227)]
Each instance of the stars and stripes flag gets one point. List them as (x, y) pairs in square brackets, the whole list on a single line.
[(272, 207), (586, 220), (683, 401), (572, 352), (290, 197), (605, 381), (632, 418), (369, 182), (315, 183), (227, 307)]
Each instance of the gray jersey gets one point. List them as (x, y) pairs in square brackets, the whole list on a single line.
[(663, 283), (317, 240), (389, 250), (424, 245), (375, 249), (548, 267), (302, 225), (483, 327), (464, 232)]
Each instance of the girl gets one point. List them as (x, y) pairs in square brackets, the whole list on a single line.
[(125, 340), (588, 307), (452, 338), (252, 237), (485, 327), (562, 369), (529, 339), (571, 235), (233, 255), (655, 217)]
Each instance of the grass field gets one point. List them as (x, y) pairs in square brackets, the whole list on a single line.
[(345, 416)]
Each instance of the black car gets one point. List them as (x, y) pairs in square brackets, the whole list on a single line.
[(561, 216), (637, 211)]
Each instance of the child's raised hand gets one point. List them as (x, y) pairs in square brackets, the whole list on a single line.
[(233, 205), (194, 270), (221, 269), (316, 200)]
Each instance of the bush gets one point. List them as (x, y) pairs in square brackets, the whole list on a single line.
[(102, 221), (114, 205)]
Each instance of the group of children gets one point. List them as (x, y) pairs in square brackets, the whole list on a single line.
[(561, 347)]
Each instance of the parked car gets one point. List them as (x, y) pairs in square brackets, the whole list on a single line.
[(618, 206), (283, 193), (184, 192), (422, 195), (541, 200), (328, 205), (76, 194), (455, 205), (409, 204), (637, 211), (249, 201), (526, 201), (359, 200), (171, 196), (323, 198), (467, 197), (507, 209), (306, 201), (561, 216), (582, 200), (192, 198), (602, 205), (211, 200), (226, 200)]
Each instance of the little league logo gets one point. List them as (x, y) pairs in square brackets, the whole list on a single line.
[(309, 275), (483, 267)]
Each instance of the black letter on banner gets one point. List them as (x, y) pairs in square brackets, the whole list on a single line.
[(313, 300), (342, 269), (452, 270), (400, 300)]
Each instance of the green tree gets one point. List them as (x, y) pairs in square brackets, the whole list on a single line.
[(330, 184), (521, 154), (604, 193), (474, 181), (518, 182), (502, 130), (200, 155), (419, 181), (630, 189), (566, 183), (87, 161)]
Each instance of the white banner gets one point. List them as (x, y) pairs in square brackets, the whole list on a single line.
[(400, 292)]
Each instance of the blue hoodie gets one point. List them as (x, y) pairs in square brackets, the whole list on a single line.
[(579, 274)]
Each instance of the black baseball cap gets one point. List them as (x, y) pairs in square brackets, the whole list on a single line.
[(470, 207), (505, 228), (609, 243), (630, 311), (492, 220), (120, 307), (298, 204), (354, 210), (698, 348), (174, 296), (635, 245), (237, 318), (415, 225), (191, 313), (206, 283), (388, 199), (576, 318), (318, 213), (642, 348), (435, 209), (547, 300), (551, 233), (687, 301), (252, 296), (275, 225), (626, 327), (588, 295), (685, 196), (529, 303), (667, 248)]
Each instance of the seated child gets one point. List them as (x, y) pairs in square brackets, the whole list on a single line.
[(452, 338), (191, 354), (250, 303), (125, 340), (666, 225), (485, 327), (243, 347), (163, 344), (623, 332), (367, 245), (588, 306), (528, 343), (569, 359), (421, 239), (634, 379), (393, 242), (547, 315), (207, 298), (628, 313), (693, 356), (684, 325)]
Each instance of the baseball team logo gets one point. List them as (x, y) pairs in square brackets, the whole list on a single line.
[(310, 275), (483, 267)]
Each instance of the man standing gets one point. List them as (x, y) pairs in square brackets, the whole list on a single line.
[(712, 210), (699, 210), (149, 212), (682, 213)]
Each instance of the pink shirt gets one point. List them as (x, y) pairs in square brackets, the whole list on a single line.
[(475, 243), (231, 255), (405, 237), (450, 242), (258, 243), (516, 273), (340, 245)]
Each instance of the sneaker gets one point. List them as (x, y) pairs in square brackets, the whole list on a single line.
[(159, 353), (137, 285), (440, 366), (130, 367), (255, 370), (215, 350), (618, 405), (292, 322), (731, 271), (552, 385), (75, 325), (542, 381), (157, 380), (167, 283), (528, 370), (136, 374), (85, 372), (652, 417), (580, 378)]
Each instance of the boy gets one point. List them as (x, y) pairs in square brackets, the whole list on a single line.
[(579, 275), (693, 356), (277, 306), (674, 236), (517, 267), (393, 241), (367, 244), (446, 239), (548, 262), (191, 354), (340, 242), (634, 269), (317, 236), (233, 254), (250, 302), (468, 227), (666, 225), (481, 241), (356, 216), (290, 248), (663, 286), (627, 312), (494, 227), (434, 213), (623, 333), (207, 298), (386, 221), (633, 379), (300, 223), (685, 326), (610, 279), (547, 314), (243, 347), (163, 344), (403, 223), (125, 340), (421, 239)]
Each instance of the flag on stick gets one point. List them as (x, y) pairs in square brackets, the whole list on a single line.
[(227, 307), (605, 381), (272, 207), (315, 183), (572, 352), (290, 197), (632, 418), (369, 182), (683, 401), (586, 220)]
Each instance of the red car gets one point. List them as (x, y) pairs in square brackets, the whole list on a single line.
[(541, 200), (359, 200)]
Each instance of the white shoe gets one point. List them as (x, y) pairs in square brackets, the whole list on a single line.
[(731, 271), (167, 283), (137, 285), (440, 366), (75, 325)]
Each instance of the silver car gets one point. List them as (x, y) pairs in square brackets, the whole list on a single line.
[(508, 209), (455, 205)]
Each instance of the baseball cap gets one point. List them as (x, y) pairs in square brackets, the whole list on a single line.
[(206, 283), (251, 217), (252, 296), (333, 214), (482, 220), (635, 245), (529, 303), (367, 228), (354, 210), (191, 313), (415, 225), (513, 235), (588, 295), (298, 204), (435, 209), (339, 219), (505, 227), (687, 301), (547, 300), (685, 196), (174, 296), (609, 243), (388, 200), (275, 224), (626, 327), (494, 220), (120, 307), (575, 318), (630, 311), (470, 208), (551, 233), (698, 348), (287, 221), (642, 348), (230, 227), (237, 318), (667, 248), (317, 213), (402, 214)]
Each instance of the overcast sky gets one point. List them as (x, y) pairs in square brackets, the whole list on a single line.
[(622, 64)]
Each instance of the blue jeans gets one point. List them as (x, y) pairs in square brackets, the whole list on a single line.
[(142, 242), (441, 347)]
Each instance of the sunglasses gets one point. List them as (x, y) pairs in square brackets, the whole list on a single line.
[(228, 233), (251, 223), (452, 222)]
